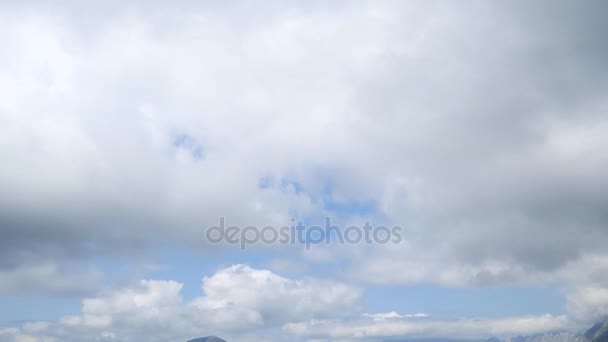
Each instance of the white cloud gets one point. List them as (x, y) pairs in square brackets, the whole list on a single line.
[(393, 314), (589, 303), (267, 294), (238, 299), (374, 328), (587, 283)]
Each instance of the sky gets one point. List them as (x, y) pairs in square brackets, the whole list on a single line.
[(127, 130)]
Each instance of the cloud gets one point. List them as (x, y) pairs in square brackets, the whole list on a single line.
[(590, 303), (481, 128), (237, 299), (48, 278), (586, 295), (243, 302), (267, 293), (373, 328), (393, 314)]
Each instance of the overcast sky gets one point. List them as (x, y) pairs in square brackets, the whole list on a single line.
[(126, 130)]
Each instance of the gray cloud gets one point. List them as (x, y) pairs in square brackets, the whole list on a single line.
[(479, 126)]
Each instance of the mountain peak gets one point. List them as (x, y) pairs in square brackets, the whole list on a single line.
[(207, 339), (598, 332)]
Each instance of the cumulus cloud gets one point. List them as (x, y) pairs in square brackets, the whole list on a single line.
[(237, 299), (268, 293), (243, 302)]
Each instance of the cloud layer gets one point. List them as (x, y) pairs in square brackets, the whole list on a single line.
[(480, 127), (253, 303), (237, 299)]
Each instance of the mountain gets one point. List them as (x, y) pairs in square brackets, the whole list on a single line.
[(597, 333), (436, 339), (554, 336), (208, 339)]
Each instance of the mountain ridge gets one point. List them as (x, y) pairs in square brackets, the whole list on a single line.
[(597, 333)]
